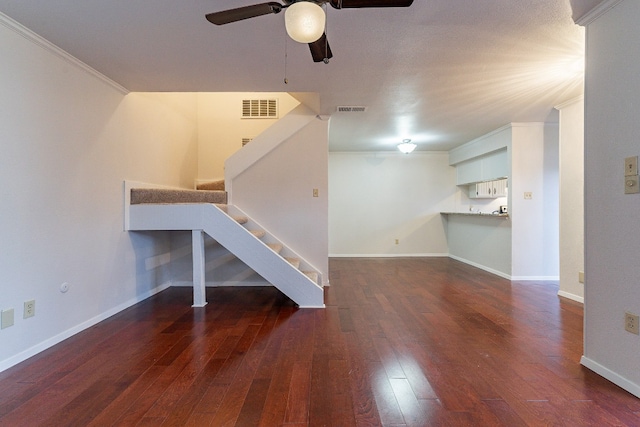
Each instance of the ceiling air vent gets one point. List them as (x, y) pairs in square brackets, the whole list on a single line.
[(245, 141), (351, 109), (259, 108)]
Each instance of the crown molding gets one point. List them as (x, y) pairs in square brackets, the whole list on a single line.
[(43, 43), (568, 102), (596, 12)]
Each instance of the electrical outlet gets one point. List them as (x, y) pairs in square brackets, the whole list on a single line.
[(631, 185), (528, 195), (631, 323), (29, 309), (397, 241), (6, 318), (581, 276), (315, 192)]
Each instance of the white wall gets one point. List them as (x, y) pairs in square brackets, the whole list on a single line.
[(69, 139), (221, 127), (376, 198), (525, 247), (277, 192), (571, 198), (534, 222), (612, 230), (484, 242)]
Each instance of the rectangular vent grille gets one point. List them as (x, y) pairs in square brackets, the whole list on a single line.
[(351, 109), (245, 141), (260, 108)]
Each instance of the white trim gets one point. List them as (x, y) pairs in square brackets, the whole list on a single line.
[(237, 239), (218, 284), (597, 12), (568, 102), (618, 380), (573, 297), (481, 267), (535, 278), (55, 50), (389, 153), (38, 348), (387, 255)]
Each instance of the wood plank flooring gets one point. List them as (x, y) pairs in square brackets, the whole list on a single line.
[(402, 342)]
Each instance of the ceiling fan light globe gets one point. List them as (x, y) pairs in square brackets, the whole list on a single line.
[(407, 147), (304, 21)]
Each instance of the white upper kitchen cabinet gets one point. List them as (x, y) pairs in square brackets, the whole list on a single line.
[(488, 167)]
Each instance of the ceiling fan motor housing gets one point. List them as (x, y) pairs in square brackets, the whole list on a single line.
[(310, 17)]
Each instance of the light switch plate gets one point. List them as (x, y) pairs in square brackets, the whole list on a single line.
[(631, 166), (631, 184)]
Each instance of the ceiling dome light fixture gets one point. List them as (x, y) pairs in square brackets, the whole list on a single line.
[(304, 21), (406, 146)]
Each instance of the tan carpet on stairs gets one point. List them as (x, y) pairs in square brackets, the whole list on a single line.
[(155, 195), (213, 185)]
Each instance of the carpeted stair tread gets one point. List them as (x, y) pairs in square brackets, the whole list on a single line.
[(258, 233), (311, 275), (159, 195), (213, 185), (276, 247), (293, 261), (242, 220)]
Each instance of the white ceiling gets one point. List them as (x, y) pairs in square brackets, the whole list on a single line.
[(441, 72)]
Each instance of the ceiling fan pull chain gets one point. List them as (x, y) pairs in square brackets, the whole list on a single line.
[(286, 80), (326, 38)]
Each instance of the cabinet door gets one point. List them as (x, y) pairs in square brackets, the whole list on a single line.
[(501, 188), (486, 188), (480, 190), (495, 165)]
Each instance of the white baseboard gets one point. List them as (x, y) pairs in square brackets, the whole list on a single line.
[(482, 267), (573, 297), (213, 284), (535, 278), (21, 357), (611, 376), (387, 255)]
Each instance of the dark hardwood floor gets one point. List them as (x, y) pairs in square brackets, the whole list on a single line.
[(416, 342)]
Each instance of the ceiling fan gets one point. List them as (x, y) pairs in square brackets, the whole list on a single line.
[(304, 19)]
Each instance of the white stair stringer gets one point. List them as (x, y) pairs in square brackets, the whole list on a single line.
[(237, 239), (286, 252)]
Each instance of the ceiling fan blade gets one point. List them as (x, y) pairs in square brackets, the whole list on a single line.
[(320, 50), (349, 4), (245, 12)]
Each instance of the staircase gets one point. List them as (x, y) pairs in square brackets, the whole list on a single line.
[(206, 211)]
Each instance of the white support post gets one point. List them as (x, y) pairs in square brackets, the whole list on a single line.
[(197, 244)]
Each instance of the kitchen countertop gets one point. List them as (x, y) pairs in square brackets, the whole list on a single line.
[(476, 214)]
